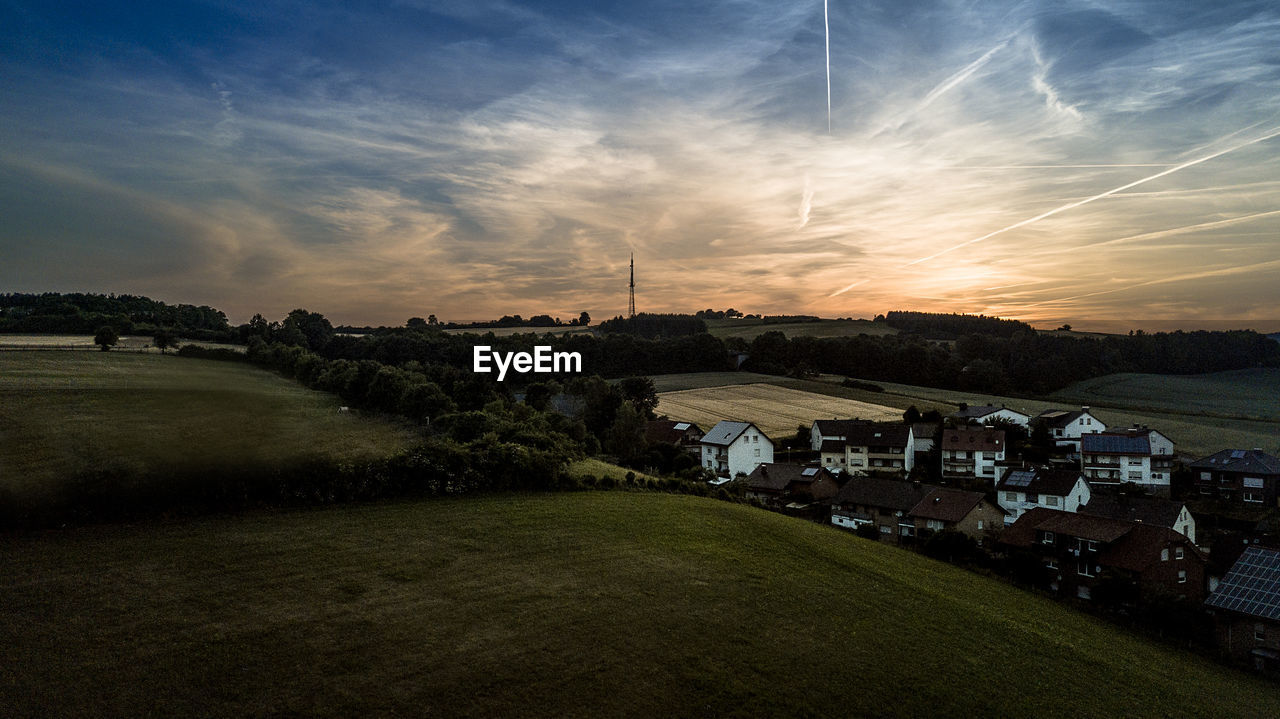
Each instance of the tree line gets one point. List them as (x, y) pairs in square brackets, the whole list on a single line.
[(82, 313)]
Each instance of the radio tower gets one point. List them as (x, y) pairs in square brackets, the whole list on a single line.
[(631, 307)]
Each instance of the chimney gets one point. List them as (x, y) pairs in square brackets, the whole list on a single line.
[(1084, 408)]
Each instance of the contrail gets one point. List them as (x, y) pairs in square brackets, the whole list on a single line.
[(1072, 205), (826, 26), (959, 77)]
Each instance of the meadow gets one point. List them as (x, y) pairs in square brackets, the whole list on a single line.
[(65, 414), (508, 331), (570, 605), (1239, 394), (777, 411)]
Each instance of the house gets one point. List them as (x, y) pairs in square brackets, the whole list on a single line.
[(987, 414), (1246, 610), (779, 484), (1249, 477), (880, 447), (831, 430), (1065, 427), (1140, 455), (1022, 490), (1148, 510), (972, 453), (685, 435), (734, 448), (969, 513), (926, 436), (1083, 553), (879, 502), (831, 455)]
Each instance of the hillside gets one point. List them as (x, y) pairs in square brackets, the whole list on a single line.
[(749, 329), (584, 604), (65, 415)]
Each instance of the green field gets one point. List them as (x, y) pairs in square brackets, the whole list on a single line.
[(1201, 413), (748, 329), (65, 413), (587, 604)]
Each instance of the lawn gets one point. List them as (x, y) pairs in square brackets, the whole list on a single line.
[(777, 411), (146, 415), (586, 604)]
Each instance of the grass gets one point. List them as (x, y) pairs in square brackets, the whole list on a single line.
[(750, 329), (599, 468), (65, 413), (1239, 394), (588, 604), (777, 411)]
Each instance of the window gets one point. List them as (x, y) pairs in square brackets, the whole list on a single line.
[(934, 524), (1010, 496), (1206, 477), (757, 451), (1164, 554), (1047, 538), (1050, 500), (884, 529), (979, 525), (755, 438), (1259, 632), (1033, 498), (1084, 568), (1252, 497), (1182, 576), (1083, 593), (828, 460), (906, 530), (1179, 553), (708, 463), (1051, 564)]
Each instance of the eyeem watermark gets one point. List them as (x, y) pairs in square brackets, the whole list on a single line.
[(542, 361)]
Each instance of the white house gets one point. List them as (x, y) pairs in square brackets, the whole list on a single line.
[(1067, 426), (986, 414), (1023, 489), (972, 453), (1140, 455), (733, 448), (831, 430)]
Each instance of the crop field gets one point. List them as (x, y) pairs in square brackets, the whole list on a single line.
[(750, 329), (568, 605), (1243, 394), (66, 413), (1192, 431), (127, 343), (777, 411)]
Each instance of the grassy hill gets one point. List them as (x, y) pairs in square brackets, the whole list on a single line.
[(585, 604), (66, 413)]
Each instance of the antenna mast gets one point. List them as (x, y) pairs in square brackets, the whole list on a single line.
[(631, 307)]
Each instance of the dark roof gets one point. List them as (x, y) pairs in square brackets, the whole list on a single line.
[(879, 435), (1115, 443), (669, 430), (837, 427), (779, 476), (1040, 480), (891, 494), (986, 439), (1252, 586), (1148, 510), (1130, 545), (946, 504), (832, 445), (1023, 532), (1244, 461), (725, 432)]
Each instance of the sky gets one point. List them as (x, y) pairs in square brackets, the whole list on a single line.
[(1093, 163)]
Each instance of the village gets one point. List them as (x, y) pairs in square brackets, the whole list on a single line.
[(1087, 512)]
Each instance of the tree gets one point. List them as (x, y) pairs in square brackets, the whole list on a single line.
[(584, 319), (416, 323), (316, 331), (625, 438), (164, 339), (106, 337), (912, 415), (640, 392)]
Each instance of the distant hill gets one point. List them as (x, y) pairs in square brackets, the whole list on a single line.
[(580, 604)]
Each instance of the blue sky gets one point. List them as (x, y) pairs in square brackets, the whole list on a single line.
[(1057, 162)]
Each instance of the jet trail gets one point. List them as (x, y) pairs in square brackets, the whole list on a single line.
[(826, 26), (1072, 205)]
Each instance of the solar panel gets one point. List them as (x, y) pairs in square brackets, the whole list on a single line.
[(681, 426), (1252, 586), (1019, 479), (1237, 454), (810, 471)]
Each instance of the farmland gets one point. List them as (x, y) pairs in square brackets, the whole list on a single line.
[(66, 413), (777, 411), (1242, 394), (749, 329), (637, 604), (508, 331)]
